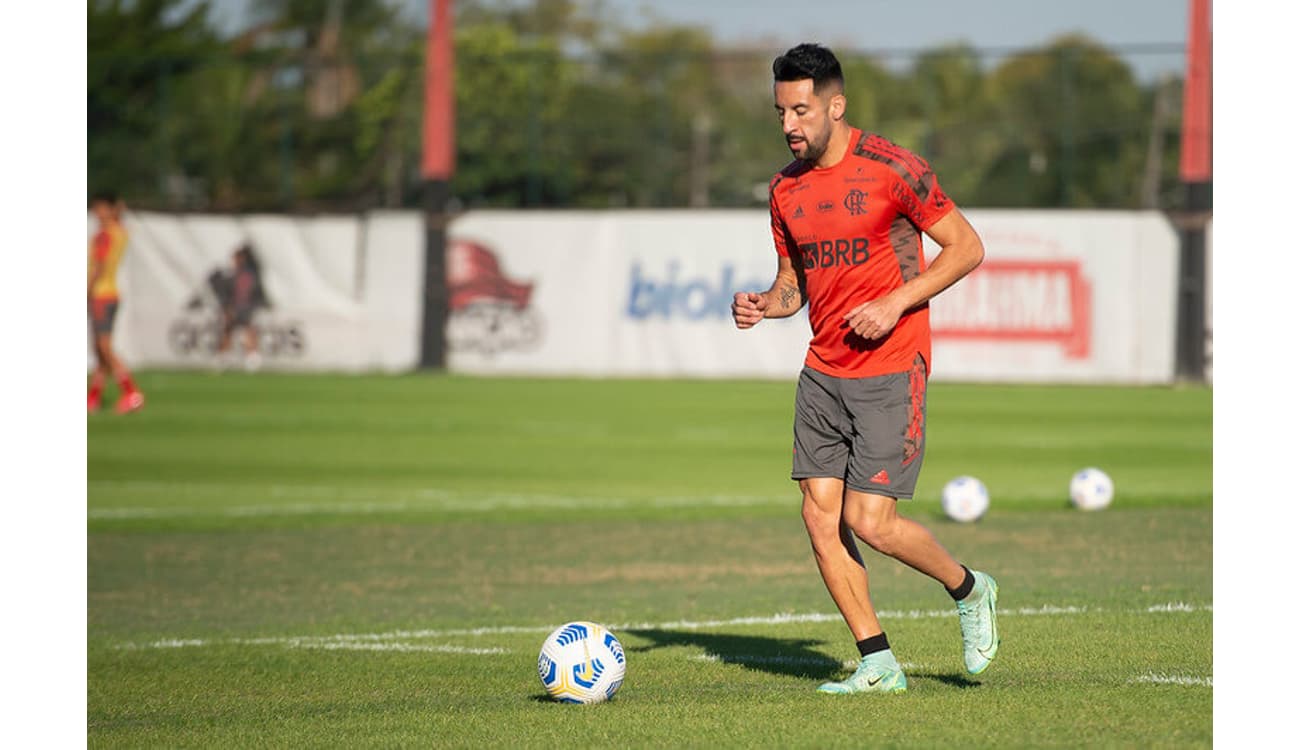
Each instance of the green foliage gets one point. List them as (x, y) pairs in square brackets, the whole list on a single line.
[(137, 53), (512, 101), (560, 104), (1081, 127)]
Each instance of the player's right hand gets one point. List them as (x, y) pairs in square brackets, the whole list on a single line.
[(748, 308)]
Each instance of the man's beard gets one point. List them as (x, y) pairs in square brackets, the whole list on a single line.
[(814, 148)]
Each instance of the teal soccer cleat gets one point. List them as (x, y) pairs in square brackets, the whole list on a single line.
[(979, 623), (877, 673)]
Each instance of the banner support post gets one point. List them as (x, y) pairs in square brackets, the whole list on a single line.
[(437, 166)]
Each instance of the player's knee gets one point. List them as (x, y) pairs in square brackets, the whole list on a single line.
[(877, 531), (823, 525)]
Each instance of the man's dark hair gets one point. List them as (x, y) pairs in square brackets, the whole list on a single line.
[(245, 251), (809, 60), (104, 196)]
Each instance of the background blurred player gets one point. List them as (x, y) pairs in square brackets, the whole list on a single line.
[(847, 216), (106, 250), (243, 296)]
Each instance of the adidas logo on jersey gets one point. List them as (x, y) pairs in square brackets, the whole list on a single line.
[(798, 213)]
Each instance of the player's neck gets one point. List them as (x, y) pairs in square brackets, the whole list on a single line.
[(836, 148)]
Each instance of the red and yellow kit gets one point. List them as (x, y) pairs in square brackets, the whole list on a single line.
[(855, 230), (106, 248)]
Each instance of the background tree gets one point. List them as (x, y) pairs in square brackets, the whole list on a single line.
[(317, 105), (139, 56), (1072, 128)]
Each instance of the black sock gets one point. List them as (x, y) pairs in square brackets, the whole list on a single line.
[(873, 644), (963, 591)]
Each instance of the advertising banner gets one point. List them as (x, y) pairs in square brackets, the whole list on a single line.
[(1062, 296), (342, 293), (629, 293)]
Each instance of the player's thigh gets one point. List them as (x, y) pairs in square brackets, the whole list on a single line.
[(889, 437), (869, 510), (242, 317), (822, 429), (102, 315)]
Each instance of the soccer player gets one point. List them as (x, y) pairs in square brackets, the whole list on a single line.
[(847, 216), (246, 295), (106, 250)]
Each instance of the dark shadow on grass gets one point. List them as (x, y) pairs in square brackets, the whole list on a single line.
[(954, 679), (784, 656)]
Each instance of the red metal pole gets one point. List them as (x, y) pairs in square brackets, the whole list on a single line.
[(439, 161), (1196, 159), (437, 165)]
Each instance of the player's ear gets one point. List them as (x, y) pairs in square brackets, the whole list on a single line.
[(838, 106)]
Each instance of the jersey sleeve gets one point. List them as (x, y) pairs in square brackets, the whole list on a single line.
[(917, 195), (780, 234)]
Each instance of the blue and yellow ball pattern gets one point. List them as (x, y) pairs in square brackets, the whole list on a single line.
[(581, 662)]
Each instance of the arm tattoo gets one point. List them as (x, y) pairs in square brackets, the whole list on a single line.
[(789, 295)]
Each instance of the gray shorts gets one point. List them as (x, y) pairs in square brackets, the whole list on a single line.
[(870, 432), (102, 314)]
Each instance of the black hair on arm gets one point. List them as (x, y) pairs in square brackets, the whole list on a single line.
[(809, 60)]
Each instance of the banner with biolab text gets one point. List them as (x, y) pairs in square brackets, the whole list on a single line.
[(1062, 296)]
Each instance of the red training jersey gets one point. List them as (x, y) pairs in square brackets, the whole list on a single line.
[(106, 248), (855, 230)]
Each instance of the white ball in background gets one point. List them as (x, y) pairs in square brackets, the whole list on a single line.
[(1091, 489), (965, 499)]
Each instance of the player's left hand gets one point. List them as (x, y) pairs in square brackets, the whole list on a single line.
[(874, 319)]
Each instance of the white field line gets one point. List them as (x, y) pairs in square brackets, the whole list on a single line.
[(400, 646), (310, 499), (358, 640), (177, 500), (1153, 678), (1180, 607), (299, 500), (1174, 679), (329, 643)]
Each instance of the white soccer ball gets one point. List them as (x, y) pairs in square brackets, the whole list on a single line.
[(965, 499), (581, 662), (1091, 489)]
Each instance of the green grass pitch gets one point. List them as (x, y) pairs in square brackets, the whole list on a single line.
[(279, 560)]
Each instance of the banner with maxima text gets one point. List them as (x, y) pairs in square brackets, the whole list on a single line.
[(1062, 296)]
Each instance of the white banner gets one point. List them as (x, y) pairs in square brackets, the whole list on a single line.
[(1063, 296), (614, 293), (344, 292)]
